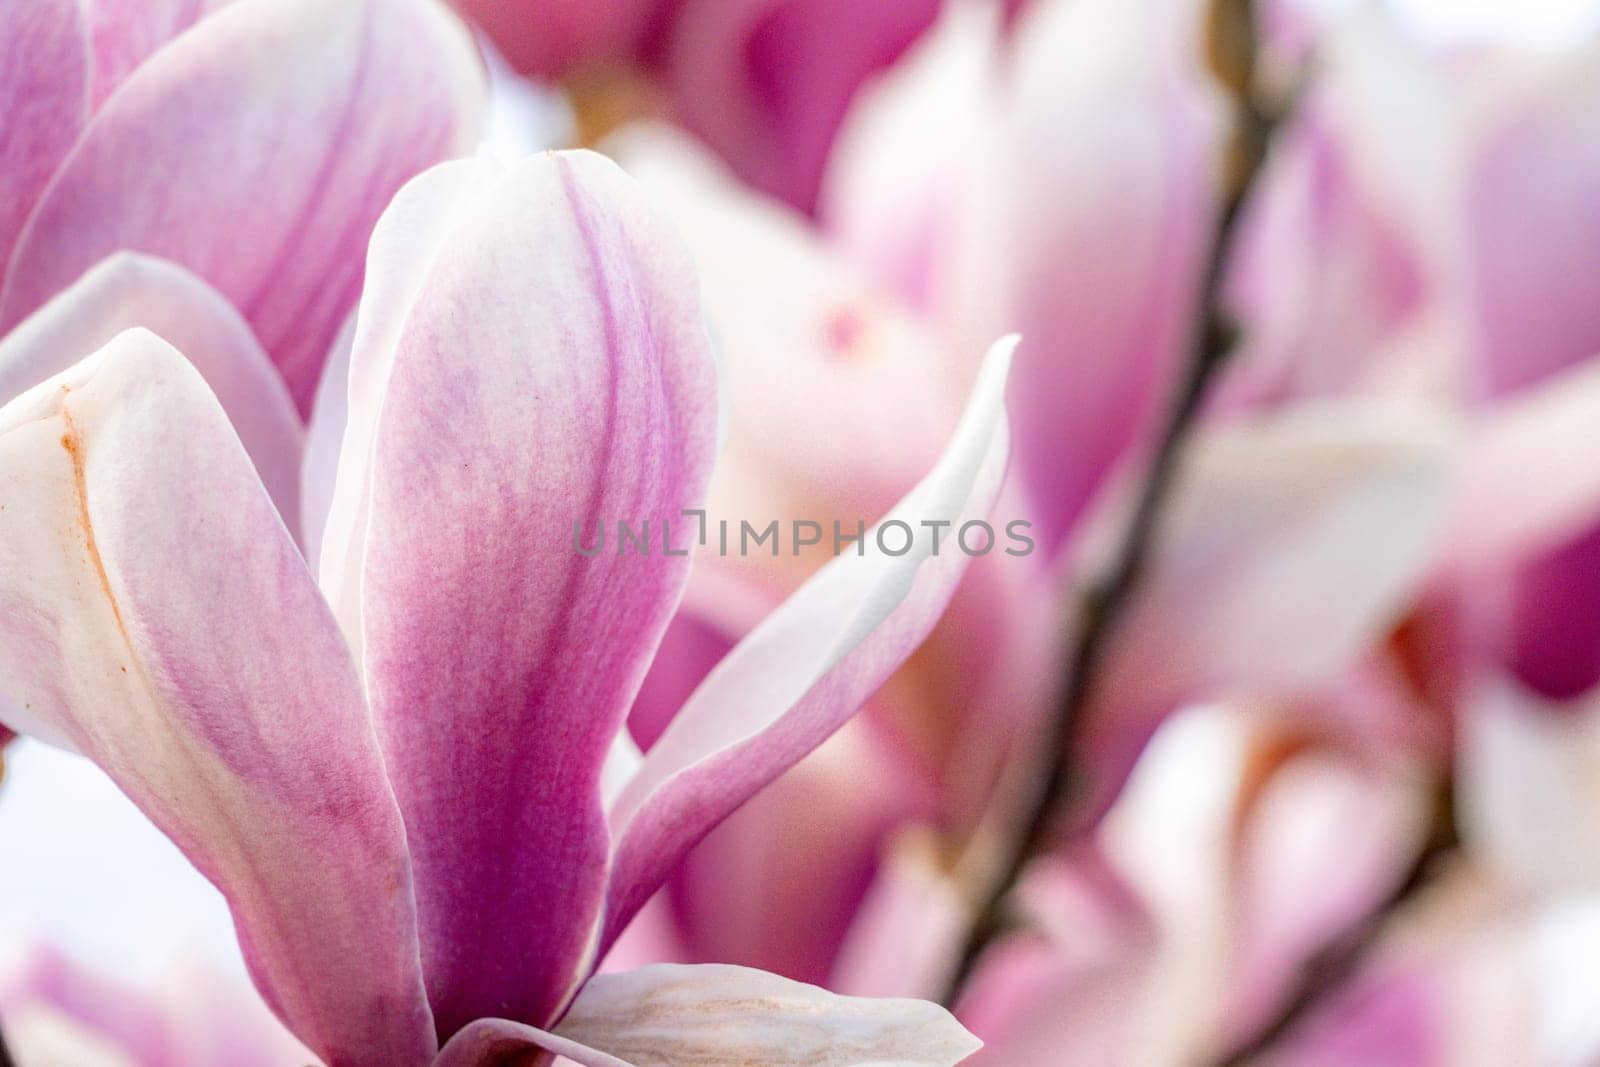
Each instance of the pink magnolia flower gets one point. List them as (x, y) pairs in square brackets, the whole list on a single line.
[(405, 774)]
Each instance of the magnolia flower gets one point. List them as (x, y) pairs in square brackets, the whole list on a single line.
[(406, 775), (764, 83)]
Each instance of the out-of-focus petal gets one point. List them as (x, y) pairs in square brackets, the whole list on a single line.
[(1527, 794), (1098, 229), (896, 191), (1289, 545), (191, 1017), (837, 400), (1074, 986), (44, 95), (553, 39), (806, 669), (529, 362), (1322, 840), (1533, 227), (777, 885), (1552, 641), (909, 925), (128, 290), (767, 83), (1321, 278), (257, 150), (158, 616), (670, 1015), (1528, 483)]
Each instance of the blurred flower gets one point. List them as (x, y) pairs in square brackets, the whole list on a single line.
[(57, 1012), (765, 83), (1293, 544), (426, 826)]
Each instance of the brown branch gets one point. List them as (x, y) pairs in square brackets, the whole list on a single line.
[(1232, 52)]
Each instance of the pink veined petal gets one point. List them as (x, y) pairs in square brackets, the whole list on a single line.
[(257, 150), (124, 33), (127, 290), (1290, 545), (797, 677), (529, 360), (672, 1014), (44, 96), (157, 616)]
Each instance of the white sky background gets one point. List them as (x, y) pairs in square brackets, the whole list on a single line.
[(81, 866)]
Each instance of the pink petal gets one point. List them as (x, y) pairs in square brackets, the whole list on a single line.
[(124, 33), (127, 290), (44, 95), (797, 677), (1100, 220), (257, 150), (1533, 228), (555, 39), (1528, 769), (158, 617), (671, 1014), (766, 83), (900, 184), (190, 1017), (529, 356), (1528, 483), (777, 884), (1322, 279)]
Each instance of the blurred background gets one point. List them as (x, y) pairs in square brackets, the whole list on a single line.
[(1325, 786)]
